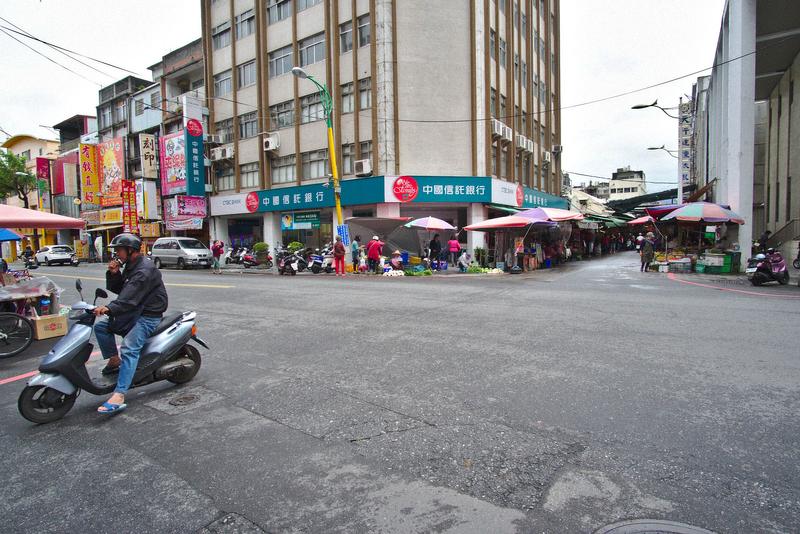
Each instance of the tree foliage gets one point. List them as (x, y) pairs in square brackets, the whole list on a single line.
[(13, 184)]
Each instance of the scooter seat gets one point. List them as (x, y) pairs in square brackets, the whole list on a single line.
[(167, 321)]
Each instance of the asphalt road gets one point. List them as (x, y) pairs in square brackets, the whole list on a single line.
[(559, 401)]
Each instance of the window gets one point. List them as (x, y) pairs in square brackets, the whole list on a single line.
[(348, 158), (222, 83), (516, 66), (247, 74), (524, 74), (492, 44), (346, 37), (494, 160), (493, 102), (517, 119), (788, 197), (105, 117), (305, 4), (139, 107), (221, 35), (365, 93), (312, 49), (225, 130), (311, 109), (502, 107), (348, 102), (502, 5), (315, 164), (26, 155), (225, 178), (366, 149), (280, 61), (155, 100), (363, 30), (278, 10), (249, 175), (245, 24), (283, 170), (248, 125), (524, 27), (502, 52), (197, 84), (504, 164), (120, 111), (282, 115)]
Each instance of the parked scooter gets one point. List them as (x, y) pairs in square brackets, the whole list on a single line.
[(796, 262), (292, 263), (327, 258), (167, 355), (769, 267), (251, 260)]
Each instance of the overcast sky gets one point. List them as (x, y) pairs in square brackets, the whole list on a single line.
[(607, 47)]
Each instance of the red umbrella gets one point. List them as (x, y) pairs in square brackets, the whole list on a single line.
[(510, 221), (15, 217), (642, 220)]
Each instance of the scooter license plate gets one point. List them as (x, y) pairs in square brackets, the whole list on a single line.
[(750, 270), (294, 266)]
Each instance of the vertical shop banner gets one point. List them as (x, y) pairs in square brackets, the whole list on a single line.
[(112, 171), (146, 200), (172, 155), (147, 151), (43, 182), (90, 177), (130, 218), (195, 166)]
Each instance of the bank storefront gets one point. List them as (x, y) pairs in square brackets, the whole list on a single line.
[(306, 213)]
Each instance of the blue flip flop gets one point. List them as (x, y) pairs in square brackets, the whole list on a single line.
[(111, 408)]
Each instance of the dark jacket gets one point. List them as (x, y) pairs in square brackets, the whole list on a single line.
[(138, 284)]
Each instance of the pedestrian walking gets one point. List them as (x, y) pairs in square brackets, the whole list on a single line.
[(338, 256), (454, 248), (639, 240), (374, 249), (647, 251), (356, 251), (216, 253)]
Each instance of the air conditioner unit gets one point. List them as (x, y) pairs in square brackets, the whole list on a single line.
[(228, 152), (546, 157), (522, 142), (272, 142), (498, 128), (217, 154), (214, 139), (363, 167), (530, 147), (508, 135), (557, 149)]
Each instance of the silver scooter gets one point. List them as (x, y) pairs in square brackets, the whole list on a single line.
[(167, 355)]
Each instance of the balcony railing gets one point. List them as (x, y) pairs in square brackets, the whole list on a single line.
[(175, 104)]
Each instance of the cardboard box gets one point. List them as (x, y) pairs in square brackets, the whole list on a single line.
[(48, 326)]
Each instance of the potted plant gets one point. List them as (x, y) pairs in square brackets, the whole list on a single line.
[(261, 250)]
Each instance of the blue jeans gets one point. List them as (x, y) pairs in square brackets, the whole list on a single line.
[(131, 347)]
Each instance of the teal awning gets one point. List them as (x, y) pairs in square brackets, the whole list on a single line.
[(507, 209)]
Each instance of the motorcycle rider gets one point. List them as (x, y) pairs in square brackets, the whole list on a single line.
[(135, 313)]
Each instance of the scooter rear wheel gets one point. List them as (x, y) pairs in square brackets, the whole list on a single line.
[(183, 374), (41, 404), (783, 280)]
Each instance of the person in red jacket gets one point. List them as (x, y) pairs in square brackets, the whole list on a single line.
[(374, 249), (338, 256)]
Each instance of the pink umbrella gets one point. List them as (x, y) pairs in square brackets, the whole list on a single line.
[(431, 224), (510, 221), (705, 212), (15, 217), (642, 220), (551, 214)]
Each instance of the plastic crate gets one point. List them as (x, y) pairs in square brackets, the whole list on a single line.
[(713, 269), (715, 260), (700, 268), (680, 267)]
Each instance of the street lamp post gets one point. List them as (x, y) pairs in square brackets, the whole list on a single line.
[(655, 105), (668, 151), (327, 104), (664, 110)]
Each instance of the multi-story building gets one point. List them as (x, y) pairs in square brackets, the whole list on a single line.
[(444, 109), (32, 148), (598, 190), (626, 183), (743, 124)]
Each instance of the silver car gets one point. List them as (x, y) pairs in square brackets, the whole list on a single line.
[(180, 252), (53, 254)]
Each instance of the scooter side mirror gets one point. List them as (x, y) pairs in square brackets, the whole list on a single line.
[(100, 293), (79, 287)]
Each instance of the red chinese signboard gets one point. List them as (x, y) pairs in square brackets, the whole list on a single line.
[(130, 219)]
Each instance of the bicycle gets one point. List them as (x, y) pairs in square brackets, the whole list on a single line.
[(16, 330)]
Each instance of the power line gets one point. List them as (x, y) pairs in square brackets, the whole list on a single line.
[(49, 58), (29, 36), (70, 51)]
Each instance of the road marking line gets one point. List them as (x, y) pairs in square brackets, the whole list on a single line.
[(674, 278), (168, 284)]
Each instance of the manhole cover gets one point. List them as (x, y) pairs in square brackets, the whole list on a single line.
[(184, 400), (651, 526)]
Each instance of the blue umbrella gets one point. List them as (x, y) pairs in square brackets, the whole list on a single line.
[(9, 235)]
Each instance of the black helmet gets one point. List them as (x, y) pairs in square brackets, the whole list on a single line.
[(126, 240)]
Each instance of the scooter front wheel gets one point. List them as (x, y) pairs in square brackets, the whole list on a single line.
[(41, 404)]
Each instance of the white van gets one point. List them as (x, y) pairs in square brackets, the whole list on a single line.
[(180, 252)]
